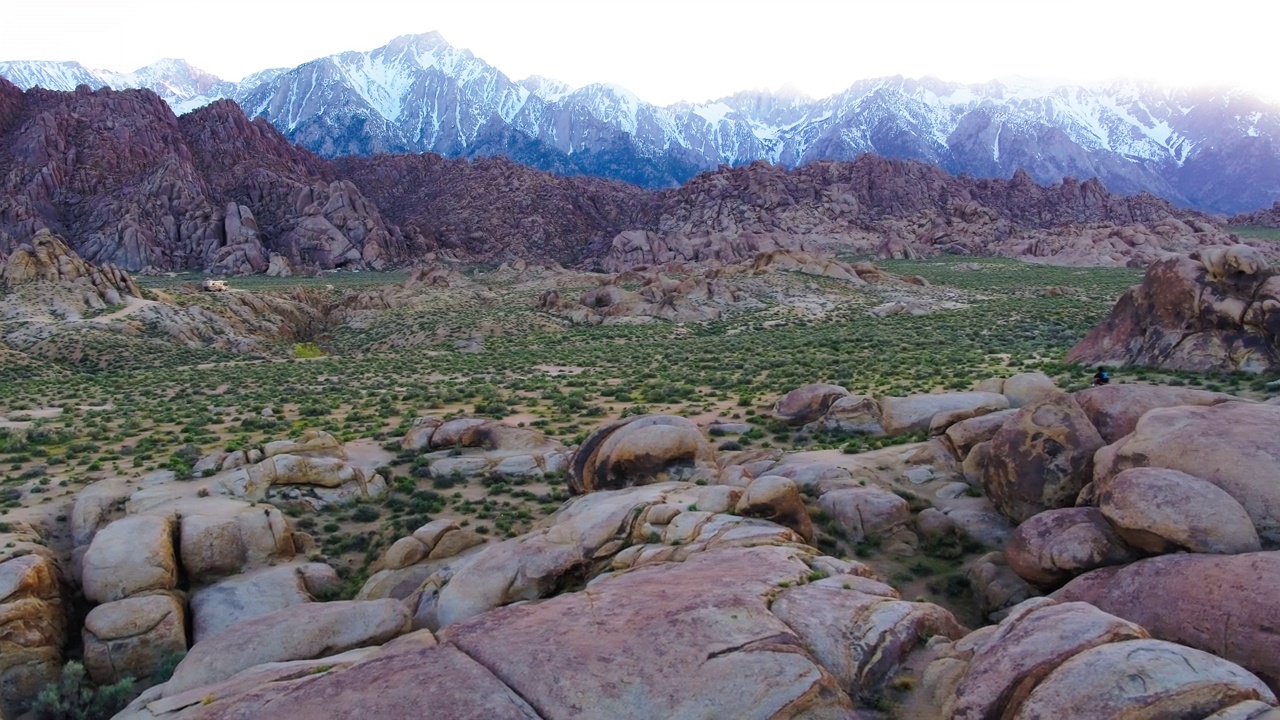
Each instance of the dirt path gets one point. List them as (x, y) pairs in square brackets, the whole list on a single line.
[(132, 305)]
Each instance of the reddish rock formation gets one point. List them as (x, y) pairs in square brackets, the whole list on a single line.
[(1267, 217), (494, 209), (127, 182), (1223, 604), (1216, 310)]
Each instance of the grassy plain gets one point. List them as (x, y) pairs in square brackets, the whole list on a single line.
[(490, 351)]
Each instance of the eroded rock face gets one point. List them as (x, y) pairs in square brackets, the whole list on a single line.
[(1066, 660), (390, 683), (1041, 457), (1054, 546), (1230, 445), (1222, 604), (1032, 642), (1142, 678), (33, 629), (260, 592), (857, 635), (299, 632), (759, 669), (46, 258), (734, 615), (639, 450), (1217, 310)]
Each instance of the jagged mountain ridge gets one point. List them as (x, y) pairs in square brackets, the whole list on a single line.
[(1215, 150)]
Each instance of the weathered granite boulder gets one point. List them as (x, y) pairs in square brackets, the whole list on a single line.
[(1041, 458), (1056, 545), (639, 450), (130, 556), (298, 632), (1230, 445), (808, 403), (133, 637), (33, 629), (1158, 510), (1223, 604)]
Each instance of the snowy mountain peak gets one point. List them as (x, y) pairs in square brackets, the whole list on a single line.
[(548, 89), (418, 93)]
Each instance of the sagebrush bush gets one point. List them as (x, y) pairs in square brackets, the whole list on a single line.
[(74, 697)]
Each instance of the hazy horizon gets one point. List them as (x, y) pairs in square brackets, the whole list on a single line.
[(732, 47)]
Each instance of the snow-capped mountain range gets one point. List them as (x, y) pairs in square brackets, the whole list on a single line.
[(1213, 149)]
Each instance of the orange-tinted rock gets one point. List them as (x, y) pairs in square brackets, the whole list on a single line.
[(1217, 310)]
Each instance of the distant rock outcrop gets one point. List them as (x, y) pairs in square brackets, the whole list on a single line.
[(1216, 310), (1266, 217), (48, 259), (494, 209), (126, 182)]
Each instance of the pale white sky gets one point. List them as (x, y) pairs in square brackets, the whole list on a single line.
[(670, 50)]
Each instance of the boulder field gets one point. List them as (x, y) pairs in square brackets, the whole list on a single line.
[(683, 581)]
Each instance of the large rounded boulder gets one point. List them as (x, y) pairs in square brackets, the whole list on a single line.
[(1057, 545), (1115, 409), (1233, 445), (639, 451), (1223, 604), (1161, 511), (1041, 457), (808, 403), (130, 556)]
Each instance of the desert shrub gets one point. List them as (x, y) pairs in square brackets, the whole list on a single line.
[(74, 697), (165, 669), (307, 350)]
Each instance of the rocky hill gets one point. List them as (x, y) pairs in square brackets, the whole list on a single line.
[(1217, 310), (494, 208), (1267, 217), (1210, 148), (126, 182)]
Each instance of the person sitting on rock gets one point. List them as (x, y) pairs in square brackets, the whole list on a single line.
[(1102, 377)]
